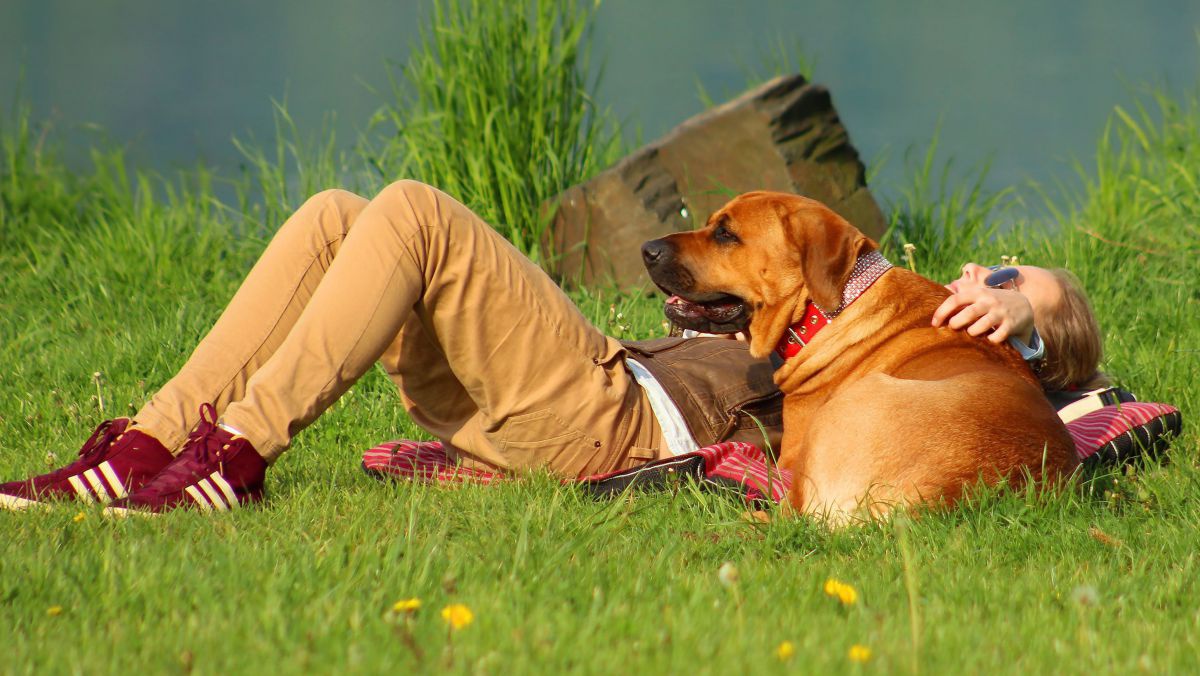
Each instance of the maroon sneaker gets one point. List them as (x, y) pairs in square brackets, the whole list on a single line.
[(113, 463), (216, 470)]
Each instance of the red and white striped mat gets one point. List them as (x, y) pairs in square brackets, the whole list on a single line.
[(1097, 428), (731, 462)]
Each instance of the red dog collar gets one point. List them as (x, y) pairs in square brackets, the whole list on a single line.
[(797, 335), (867, 269)]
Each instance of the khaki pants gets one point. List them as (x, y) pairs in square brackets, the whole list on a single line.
[(490, 356)]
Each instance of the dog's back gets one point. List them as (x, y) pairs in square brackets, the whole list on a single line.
[(931, 410)]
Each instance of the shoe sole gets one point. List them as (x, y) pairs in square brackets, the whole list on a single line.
[(122, 513), (14, 504)]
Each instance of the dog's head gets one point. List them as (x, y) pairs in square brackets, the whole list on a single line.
[(754, 265)]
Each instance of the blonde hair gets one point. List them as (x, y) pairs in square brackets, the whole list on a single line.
[(1073, 342)]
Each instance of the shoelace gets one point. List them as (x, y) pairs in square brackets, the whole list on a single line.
[(91, 452), (204, 449), (99, 442), (202, 440)]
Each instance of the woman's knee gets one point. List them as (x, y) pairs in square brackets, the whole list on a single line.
[(339, 199), (327, 215), (406, 188), (412, 198)]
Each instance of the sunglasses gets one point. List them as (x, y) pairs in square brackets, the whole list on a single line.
[(1002, 277)]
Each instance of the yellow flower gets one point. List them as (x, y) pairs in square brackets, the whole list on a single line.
[(785, 651), (841, 591), (457, 615), (859, 653), (79, 517), (54, 611), (406, 606)]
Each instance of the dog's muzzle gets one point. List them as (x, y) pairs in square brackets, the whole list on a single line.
[(711, 312)]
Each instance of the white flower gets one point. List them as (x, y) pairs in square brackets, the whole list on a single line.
[(1085, 595), (728, 574)]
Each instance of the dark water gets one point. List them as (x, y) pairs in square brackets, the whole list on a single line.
[(1027, 84)]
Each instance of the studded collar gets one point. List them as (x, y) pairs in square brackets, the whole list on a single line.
[(867, 269)]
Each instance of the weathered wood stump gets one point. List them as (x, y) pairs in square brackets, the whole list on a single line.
[(784, 135)]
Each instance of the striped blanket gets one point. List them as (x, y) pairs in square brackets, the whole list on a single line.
[(1108, 436)]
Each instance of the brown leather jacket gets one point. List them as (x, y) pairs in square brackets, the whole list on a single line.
[(719, 388)]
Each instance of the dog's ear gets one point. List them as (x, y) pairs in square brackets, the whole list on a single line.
[(829, 246)]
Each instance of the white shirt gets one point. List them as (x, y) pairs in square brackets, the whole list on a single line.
[(675, 432)]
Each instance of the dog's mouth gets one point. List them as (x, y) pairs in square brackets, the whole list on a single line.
[(720, 313)]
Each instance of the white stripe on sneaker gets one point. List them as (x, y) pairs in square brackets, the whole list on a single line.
[(97, 485), (212, 494), (199, 498), (113, 480), (80, 489), (14, 503), (225, 488)]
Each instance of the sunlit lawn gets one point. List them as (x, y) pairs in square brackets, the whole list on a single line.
[(102, 278)]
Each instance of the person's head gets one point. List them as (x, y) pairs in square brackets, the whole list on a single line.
[(1064, 320)]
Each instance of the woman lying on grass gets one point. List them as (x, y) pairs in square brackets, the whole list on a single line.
[(488, 353)]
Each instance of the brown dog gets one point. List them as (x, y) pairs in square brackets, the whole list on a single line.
[(880, 408)]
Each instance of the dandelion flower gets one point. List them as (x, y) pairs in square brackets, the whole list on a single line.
[(406, 606), (785, 651), (728, 575), (1085, 595), (79, 517), (54, 611), (859, 653), (841, 591), (848, 595), (457, 615)]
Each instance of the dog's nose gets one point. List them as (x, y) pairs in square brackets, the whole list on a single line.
[(653, 251)]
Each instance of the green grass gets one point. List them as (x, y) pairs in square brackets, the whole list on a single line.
[(118, 272), (493, 106)]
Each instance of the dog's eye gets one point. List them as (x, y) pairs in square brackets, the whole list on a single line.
[(723, 235)]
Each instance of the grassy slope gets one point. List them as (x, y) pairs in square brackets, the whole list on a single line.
[(100, 276)]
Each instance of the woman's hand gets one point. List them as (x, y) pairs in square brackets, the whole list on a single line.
[(980, 309)]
